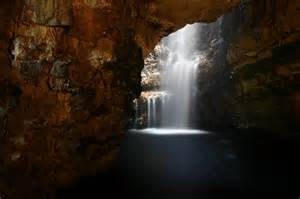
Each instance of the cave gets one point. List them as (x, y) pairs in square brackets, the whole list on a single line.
[(176, 76), (149, 99)]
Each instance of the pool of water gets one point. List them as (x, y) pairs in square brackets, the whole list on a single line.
[(167, 131), (199, 165)]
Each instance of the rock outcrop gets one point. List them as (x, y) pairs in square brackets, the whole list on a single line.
[(264, 61), (255, 84), (157, 18)]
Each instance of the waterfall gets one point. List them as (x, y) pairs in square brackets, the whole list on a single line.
[(169, 106), (152, 109), (149, 112), (179, 62)]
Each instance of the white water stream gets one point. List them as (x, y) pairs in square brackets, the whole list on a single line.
[(179, 60), (179, 67)]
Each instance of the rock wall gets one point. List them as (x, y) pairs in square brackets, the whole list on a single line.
[(69, 70), (265, 69), (64, 95), (158, 18), (256, 85)]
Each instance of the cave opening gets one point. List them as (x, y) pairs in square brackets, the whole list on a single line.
[(171, 79)]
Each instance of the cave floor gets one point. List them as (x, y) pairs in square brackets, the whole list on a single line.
[(214, 165)]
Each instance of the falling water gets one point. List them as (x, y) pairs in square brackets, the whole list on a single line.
[(170, 106), (149, 112), (179, 62), (152, 110)]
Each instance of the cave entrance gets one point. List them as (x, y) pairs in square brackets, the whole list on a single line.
[(171, 77)]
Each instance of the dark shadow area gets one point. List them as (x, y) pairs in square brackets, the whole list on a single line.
[(232, 165)]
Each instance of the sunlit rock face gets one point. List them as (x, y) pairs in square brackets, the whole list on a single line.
[(151, 73), (150, 82), (69, 72)]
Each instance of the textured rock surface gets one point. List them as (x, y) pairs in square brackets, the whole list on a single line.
[(256, 85), (69, 71), (151, 73), (49, 12), (263, 57), (157, 18)]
